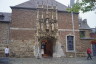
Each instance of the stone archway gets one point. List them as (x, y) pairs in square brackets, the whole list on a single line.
[(49, 46), (47, 29)]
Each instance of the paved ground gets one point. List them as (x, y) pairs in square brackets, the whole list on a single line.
[(48, 61), (4, 60)]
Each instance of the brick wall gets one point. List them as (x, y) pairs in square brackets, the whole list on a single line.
[(23, 18), (93, 35), (66, 26), (65, 21), (85, 42)]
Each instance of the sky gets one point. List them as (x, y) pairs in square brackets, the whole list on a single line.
[(90, 16)]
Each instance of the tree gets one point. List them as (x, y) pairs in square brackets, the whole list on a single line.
[(84, 5)]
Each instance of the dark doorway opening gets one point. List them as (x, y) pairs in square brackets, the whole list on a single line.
[(48, 46), (94, 49)]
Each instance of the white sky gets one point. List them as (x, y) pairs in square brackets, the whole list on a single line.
[(90, 16)]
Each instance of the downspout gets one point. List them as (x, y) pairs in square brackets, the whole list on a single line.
[(73, 32)]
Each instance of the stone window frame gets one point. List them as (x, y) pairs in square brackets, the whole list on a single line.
[(73, 44)]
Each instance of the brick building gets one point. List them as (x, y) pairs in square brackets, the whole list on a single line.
[(37, 21), (86, 36)]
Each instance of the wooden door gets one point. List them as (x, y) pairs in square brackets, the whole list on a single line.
[(49, 48)]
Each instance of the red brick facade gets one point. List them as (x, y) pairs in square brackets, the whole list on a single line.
[(22, 35), (23, 31), (24, 19)]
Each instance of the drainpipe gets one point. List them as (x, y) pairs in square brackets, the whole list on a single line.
[(73, 31)]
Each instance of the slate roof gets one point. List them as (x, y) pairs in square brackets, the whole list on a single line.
[(32, 4), (83, 24), (5, 17)]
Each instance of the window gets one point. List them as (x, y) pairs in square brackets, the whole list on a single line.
[(82, 34), (70, 43), (1, 16)]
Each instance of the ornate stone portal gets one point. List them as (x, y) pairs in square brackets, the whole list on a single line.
[(47, 31)]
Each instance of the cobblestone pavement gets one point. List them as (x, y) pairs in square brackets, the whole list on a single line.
[(51, 61)]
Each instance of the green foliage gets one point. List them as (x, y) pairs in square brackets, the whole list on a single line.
[(85, 6), (75, 8), (88, 5)]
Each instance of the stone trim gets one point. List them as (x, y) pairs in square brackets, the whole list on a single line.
[(12, 28), (22, 28), (67, 30)]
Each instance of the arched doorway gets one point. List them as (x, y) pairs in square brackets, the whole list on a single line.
[(48, 44)]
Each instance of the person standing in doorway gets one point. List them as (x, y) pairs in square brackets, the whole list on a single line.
[(89, 54), (42, 48), (7, 51)]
